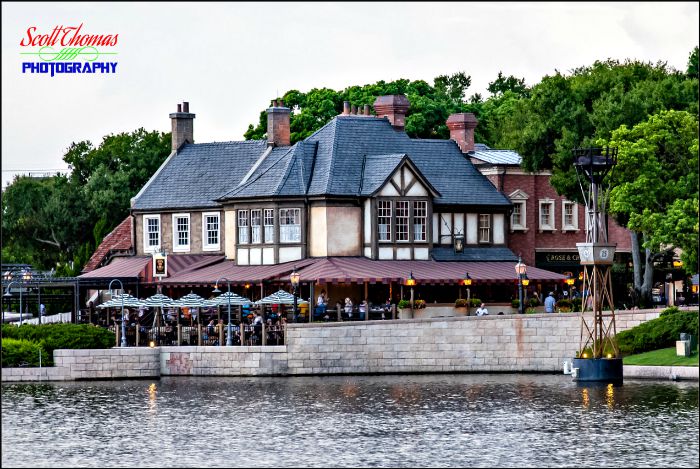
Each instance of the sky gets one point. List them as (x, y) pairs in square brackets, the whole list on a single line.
[(228, 60)]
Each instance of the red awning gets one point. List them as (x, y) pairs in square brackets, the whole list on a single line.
[(121, 267), (360, 270), (236, 274)]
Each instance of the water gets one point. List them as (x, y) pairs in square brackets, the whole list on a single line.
[(502, 420)]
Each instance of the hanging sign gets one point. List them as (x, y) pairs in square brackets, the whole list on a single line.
[(160, 265)]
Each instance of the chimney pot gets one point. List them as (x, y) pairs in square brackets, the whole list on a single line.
[(182, 126), (367, 110), (462, 127), (346, 108), (394, 107), (278, 132), (354, 109)]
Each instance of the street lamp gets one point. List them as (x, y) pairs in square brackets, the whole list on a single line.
[(294, 279), (24, 276), (9, 295), (111, 294), (411, 282), (570, 282), (229, 338), (521, 271)]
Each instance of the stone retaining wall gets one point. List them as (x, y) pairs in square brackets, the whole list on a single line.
[(511, 343)]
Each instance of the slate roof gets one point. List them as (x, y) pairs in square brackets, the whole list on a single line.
[(481, 253), (198, 174), (329, 162)]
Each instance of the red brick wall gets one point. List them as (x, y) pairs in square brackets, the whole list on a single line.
[(537, 187)]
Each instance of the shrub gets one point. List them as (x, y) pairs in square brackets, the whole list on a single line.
[(515, 303), (531, 311), (461, 303), (16, 352), (658, 333), (533, 302), (404, 304), (61, 336), (419, 304), (475, 302), (576, 304)]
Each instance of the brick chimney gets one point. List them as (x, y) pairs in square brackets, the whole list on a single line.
[(182, 125), (394, 107), (462, 130), (278, 124)]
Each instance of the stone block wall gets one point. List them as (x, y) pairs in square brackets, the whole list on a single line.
[(223, 361), (515, 343), (511, 343)]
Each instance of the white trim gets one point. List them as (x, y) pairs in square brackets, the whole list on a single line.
[(147, 248), (205, 232), (497, 169), (574, 225), (552, 213), (176, 246), (523, 216)]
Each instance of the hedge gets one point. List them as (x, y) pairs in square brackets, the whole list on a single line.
[(658, 333), (20, 352), (60, 336)]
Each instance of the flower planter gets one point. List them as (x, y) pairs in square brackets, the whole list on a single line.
[(461, 311)]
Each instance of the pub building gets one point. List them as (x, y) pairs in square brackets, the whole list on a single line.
[(356, 209)]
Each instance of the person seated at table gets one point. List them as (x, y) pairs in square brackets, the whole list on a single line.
[(321, 303), (210, 327)]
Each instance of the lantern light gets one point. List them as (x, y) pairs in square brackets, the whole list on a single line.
[(410, 281), (467, 280)]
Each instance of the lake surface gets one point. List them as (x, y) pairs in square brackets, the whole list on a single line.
[(491, 420)]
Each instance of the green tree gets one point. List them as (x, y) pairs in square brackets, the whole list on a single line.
[(430, 106), (504, 84), (655, 187), (58, 221)]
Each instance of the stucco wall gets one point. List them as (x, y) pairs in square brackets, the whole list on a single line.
[(344, 231), (515, 343)]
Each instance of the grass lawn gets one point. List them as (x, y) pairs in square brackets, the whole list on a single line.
[(662, 357)]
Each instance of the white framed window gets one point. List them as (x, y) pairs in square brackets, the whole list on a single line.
[(256, 226), (402, 218), (181, 232), (384, 220), (243, 237), (517, 218), (547, 219), (290, 225), (151, 233), (210, 231), (569, 216), (420, 216), (269, 222), (484, 228)]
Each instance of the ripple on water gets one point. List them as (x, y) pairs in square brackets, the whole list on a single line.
[(341, 421)]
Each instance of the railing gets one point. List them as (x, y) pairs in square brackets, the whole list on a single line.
[(179, 335)]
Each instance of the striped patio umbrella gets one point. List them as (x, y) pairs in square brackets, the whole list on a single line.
[(158, 299), (191, 300), (236, 300), (116, 302), (280, 298)]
